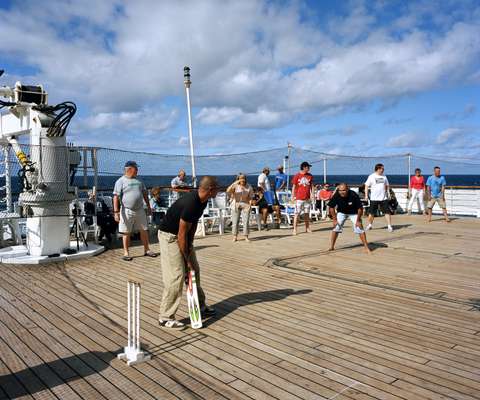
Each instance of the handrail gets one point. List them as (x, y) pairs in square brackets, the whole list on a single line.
[(447, 187)]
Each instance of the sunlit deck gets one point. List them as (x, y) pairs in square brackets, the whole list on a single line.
[(294, 321)]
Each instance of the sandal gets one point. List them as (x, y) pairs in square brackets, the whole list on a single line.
[(150, 253), (171, 323), (127, 258)]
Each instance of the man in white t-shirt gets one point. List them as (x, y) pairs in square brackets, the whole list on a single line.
[(263, 180), (378, 186), (264, 183)]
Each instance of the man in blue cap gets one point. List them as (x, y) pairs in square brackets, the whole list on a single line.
[(129, 197)]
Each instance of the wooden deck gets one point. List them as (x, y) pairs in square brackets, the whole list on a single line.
[(294, 321)]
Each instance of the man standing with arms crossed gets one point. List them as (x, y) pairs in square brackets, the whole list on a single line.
[(176, 235), (378, 185), (436, 193), (302, 192), (129, 195)]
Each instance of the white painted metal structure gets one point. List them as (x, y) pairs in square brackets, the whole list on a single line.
[(47, 230)]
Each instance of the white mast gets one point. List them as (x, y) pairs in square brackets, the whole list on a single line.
[(188, 82)]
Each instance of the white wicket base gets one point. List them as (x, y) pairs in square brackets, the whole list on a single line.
[(133, 356)]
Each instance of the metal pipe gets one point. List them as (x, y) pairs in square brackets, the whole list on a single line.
[(8, 181), (85, 168), (324, 170), (409, 170), (188, 82), (289, 146)]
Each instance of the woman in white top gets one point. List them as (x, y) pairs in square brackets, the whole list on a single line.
[(242, 194)]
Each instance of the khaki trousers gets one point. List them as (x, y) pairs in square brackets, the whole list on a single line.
[(173, 273)]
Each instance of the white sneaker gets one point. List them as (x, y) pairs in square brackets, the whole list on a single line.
[(171, 323), (369, 226), (390, 228)]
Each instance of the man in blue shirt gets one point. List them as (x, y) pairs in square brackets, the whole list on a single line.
[(280, 180), (436, 193)]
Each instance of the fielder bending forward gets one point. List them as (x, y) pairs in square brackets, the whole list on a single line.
[(344, 204)]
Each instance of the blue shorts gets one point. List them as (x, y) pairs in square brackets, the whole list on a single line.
[(269, 197)]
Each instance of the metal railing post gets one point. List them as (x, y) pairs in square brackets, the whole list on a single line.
[(324, 170)]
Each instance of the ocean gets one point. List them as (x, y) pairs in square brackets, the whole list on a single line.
[(106, 183)]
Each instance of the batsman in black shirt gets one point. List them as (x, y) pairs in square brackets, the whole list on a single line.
[(177, 254)]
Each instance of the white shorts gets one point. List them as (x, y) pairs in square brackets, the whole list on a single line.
[(132, 220), (341, 218), (302, 206)]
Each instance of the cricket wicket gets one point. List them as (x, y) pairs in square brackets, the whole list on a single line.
[(133, 354)]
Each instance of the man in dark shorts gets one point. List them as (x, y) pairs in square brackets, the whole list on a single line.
[(263, 207), (345, 203), (177, 254), (436, 193), (378, 186)]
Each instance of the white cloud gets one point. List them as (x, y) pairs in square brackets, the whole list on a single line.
[(260, 119), (409, 139), (353, 25), (146, 121), (218, 115), (450, 135), (255, 64)]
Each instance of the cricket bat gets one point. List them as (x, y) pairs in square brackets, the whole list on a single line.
[(192, 301)]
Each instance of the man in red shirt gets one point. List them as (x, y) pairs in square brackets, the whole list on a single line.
[(323, 196), (302, 191), (417, 190)]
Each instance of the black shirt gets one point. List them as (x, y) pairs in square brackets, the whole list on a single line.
[(346, 205), (188, 207)]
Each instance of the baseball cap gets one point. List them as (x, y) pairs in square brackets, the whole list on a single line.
[(131, 164), (304, 164)]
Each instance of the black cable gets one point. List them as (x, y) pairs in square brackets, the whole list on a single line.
[(6, 104), (62, 113)]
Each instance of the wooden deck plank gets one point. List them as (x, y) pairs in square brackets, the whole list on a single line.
[(61, 366), (205, 356), (11, 387), (82, 332), (122, 338), (342, 337), (30, 382)]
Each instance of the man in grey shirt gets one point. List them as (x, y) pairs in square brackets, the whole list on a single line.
[(179, 185), (129, 196)]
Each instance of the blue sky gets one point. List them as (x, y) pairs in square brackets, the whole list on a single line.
[(350, 77)]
